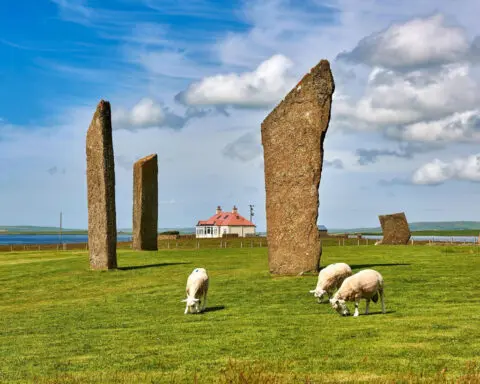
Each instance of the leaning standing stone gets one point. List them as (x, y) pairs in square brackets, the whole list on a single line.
[(102, 223), (395, 229), (292, 139), (145, 203)]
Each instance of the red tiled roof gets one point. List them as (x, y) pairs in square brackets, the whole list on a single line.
[(227, 218)]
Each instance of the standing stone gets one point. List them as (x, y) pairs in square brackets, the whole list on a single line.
[(145, 203), (292, 139), (395, 229), (102, 222)]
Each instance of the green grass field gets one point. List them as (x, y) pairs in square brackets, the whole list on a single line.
[(62, 323)]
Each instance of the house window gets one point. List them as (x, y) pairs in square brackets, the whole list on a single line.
[(224, 230)]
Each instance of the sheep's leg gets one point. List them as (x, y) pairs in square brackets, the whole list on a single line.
[(186, 309), (367, 306), (204, 301), (383, 303), (357, 302)]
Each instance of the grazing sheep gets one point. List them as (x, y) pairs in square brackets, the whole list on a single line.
[(330, 278), (366, 284), (197, 286), (378, 242)]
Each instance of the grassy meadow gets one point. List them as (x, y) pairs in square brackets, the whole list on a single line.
[(62, 323)]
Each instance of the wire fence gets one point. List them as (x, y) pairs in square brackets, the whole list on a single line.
[(250, 242)]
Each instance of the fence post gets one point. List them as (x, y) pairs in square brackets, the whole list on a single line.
[(260, 243), (176, 244), (241, 244), (366, 241)]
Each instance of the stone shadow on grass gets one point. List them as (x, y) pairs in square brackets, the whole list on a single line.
[(357, 266), (149, 266), (213, 309)]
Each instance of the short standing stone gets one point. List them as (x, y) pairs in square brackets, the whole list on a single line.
[(395, 229), (145, 203), (292, 139), (102, 222)]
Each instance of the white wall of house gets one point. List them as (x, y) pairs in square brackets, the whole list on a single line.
[(206, 232), (242, 231)]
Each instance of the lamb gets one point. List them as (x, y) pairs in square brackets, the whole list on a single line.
[(196, 289), (330, 278), (366, 284)]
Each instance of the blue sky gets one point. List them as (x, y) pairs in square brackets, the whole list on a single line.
[(193, 80)]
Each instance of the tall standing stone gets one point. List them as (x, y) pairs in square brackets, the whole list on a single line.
[(145, 203), (292, 139), (395, 229), (102, 222)]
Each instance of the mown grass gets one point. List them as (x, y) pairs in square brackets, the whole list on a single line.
[(62, 323)]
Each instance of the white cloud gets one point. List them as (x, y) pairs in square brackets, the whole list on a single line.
[(405, 98), (437, 172), (265, 86), (459, 127), (148, 113), (421, 42)]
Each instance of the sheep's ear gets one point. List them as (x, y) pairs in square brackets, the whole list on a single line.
[(184, 300), (312, 291), (196, 300)]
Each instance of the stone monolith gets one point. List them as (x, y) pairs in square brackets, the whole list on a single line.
[(102, 222), (395, 229), (145, 203), (292, 139)]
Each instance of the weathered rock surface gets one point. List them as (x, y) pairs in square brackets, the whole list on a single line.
[(145, 203), (395, 229), (102, 222), (292, 139)]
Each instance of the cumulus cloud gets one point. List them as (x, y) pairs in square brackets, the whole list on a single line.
[(393, 98), (420, 42), (264, 86), (148, 113), (437, 172), (459, 127), (335, 163), (247, 147)]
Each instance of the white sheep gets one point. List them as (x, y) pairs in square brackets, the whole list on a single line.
[(379, 242), (366, 284), (196, 289), (330, 278)]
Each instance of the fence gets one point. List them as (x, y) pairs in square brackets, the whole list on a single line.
[(249, 242)]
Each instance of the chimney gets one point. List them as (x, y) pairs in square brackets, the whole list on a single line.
[(234, 210), (219, 210)]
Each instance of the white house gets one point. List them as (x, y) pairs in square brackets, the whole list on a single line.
[(225, 223)]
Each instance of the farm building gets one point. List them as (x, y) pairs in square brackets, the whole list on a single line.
[(323, 231), (225, 223)]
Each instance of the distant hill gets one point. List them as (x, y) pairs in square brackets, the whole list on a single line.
[(420, 226), (34, 228)]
